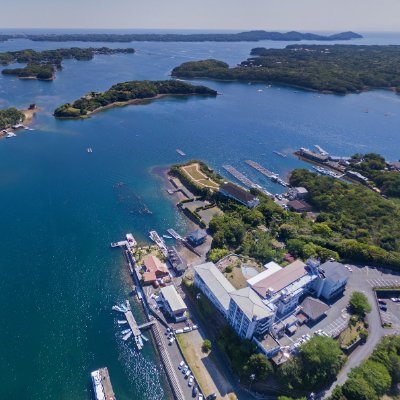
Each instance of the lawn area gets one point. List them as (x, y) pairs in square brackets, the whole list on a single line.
[(351, 334), (194, 173)]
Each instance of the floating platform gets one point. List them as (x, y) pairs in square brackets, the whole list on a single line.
[(180, 152), (174, 234)]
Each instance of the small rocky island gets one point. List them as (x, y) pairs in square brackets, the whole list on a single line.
[(336, 69), (43, 64), (132, 92)]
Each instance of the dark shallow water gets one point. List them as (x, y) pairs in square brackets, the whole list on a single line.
[(61, 207)]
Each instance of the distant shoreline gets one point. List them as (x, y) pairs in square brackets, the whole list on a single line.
[(127, 103)]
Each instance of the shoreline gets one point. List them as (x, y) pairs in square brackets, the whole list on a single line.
[(127, 103), (29, 115), (289, 85)]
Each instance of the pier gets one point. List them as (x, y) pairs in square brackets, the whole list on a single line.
[(174, 234), (271, 175), (240, 177), (122, 243), (102, 384), (155, 237)]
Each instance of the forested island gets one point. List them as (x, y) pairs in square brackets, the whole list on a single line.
[(250, 36), (9, 117), (129, 93), (336, 69), (43, 64)]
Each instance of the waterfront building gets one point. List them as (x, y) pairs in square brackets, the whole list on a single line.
[(248, 315), (239, 194), (173, 303), (154, 269), (210, 280), (197, 237)]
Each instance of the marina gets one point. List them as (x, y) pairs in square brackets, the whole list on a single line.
[(325, 171), (101, 383), (133, 326)]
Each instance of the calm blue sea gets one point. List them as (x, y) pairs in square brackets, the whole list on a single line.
[(61, 207)]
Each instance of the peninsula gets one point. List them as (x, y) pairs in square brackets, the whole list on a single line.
[(338, 69), (250, 36), (43, 64), (9, 117), (132, 92)]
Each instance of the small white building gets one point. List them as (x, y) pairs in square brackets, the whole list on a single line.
[(173, 303)]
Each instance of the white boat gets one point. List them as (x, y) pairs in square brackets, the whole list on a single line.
[(180, 152), (127, 336), (10, 135), (120, 308), (125, 331), (122, 322), (167, 237)]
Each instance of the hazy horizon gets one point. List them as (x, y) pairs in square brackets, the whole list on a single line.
[(233, 15)]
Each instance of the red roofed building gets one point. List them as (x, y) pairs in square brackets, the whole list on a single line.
[(154, 269)]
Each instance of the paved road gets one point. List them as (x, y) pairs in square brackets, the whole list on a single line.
[(363, 279)]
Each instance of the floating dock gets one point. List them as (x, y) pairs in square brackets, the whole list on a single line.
[(174, 234), (122, 243), (102, 384)]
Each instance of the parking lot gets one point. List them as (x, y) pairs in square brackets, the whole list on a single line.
[(362, 279)]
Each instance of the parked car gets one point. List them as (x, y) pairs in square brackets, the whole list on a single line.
[(181, 364), (187, 329), (178, 331), (200, 397), (380, 301), (190, 383), (184, 369), (212, 396), (194, 327), (383, 308), (195, 391), (187, 374), (395, 299), (171, 340)]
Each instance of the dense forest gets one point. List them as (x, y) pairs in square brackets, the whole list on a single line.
[(128, 91), (10, 117), (360, 224), (337, 69), (42, 64), (251, 36), (352, 223), (375, 168), (376, 377)]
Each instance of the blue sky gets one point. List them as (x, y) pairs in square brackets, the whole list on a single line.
[(319, 15)]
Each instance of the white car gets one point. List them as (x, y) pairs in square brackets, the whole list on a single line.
[(171, 340), (194, 327), (190, 383), (178, 331), (200, 397), (184, 369), (181, 364), (188, 373), (187, 329)]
